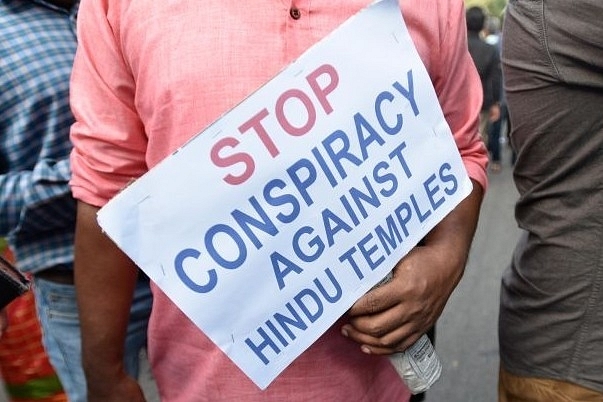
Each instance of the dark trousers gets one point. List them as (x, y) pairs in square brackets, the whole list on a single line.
[(495, 132), (552, 58)]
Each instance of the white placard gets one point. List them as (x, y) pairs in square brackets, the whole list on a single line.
[(267, 226)]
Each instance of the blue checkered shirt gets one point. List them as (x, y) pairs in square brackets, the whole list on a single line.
[(37, 211)]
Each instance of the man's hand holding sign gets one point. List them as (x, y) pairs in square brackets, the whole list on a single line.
[(390, 318), (274, 222)]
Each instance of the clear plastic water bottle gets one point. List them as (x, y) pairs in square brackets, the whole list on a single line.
[(419, 365)]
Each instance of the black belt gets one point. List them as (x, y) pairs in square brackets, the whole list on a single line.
[(59, 274), (64, 274)]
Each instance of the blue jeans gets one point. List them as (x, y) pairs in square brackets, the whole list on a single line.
[(57, 309)]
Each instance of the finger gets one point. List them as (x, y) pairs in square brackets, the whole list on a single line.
[(375, 326), (374, 301), (396, 341), (381, 329)]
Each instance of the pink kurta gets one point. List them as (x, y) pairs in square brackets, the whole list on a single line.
[(148, 75)]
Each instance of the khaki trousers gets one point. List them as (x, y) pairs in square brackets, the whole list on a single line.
[(513, 388)]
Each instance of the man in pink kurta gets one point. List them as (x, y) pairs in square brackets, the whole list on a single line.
[(148, 75)]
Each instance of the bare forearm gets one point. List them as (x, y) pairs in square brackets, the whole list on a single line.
[(105, 279), (454, 234)]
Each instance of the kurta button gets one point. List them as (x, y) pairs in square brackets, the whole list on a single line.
[(295, 13)]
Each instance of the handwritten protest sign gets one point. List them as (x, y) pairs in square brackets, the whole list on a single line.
[(267, 226)]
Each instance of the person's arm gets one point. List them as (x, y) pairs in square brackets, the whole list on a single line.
[(37, 200), (109, 144), (494, 112), (393, 316), (105, 279), (35, 197)]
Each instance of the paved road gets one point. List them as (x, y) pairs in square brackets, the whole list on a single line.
[(467, 331)]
